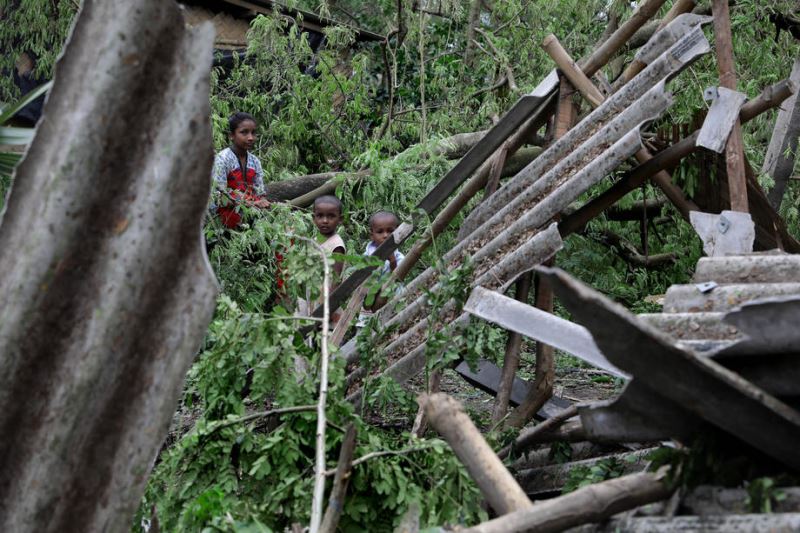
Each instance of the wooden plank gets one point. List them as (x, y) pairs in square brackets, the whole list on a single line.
[(720, 119), (784, 141), (689, 299), (536, 324), (487, 378), (707, 500), (734, 151), (697, 384), (494, 138), (777, 268)]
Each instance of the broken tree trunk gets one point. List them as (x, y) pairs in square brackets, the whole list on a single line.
[(734, 150), (588, 504), (495, 482), (106, 289), (777, 163)]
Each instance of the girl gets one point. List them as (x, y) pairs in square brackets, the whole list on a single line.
[(237, 171)]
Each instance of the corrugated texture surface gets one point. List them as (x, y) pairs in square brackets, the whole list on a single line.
[(106, 289)]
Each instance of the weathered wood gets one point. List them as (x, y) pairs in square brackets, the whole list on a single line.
[(777, 163), (546, 456), (720, 120), (692, 326), (570, 69), (781, 268), (531, 436), (106, 290), (689, 299), (760, 523), (697, 384), (545, 370), (297, 186), (552, 478), (540, 325), (651, 209), (340, 482), (734, 151), (566, 111), (495, 482), (588, 504), (511, 356)]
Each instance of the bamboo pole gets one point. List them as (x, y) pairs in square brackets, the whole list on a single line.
[(495, 482), (734, 150)]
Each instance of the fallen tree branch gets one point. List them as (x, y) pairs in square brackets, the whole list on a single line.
[(340, 482), (628, 252), (531, 436), (384, 453), (254, 416), (495, 482), (588, 504)]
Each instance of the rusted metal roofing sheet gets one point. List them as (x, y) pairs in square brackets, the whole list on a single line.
[(105, 285)]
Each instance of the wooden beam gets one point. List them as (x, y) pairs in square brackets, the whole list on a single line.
[(734, 151)]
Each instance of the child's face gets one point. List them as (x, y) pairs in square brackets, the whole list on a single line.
[(327, 218), (381, 228), (244, 136)]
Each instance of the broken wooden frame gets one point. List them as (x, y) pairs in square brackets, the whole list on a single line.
[(561, 179)]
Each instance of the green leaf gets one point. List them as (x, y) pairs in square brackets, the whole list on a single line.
[(12, 109), (16, 136)]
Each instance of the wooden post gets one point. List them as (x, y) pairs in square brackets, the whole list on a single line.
[(734, 151), (542, 389), (496, 483), (511, 356)]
